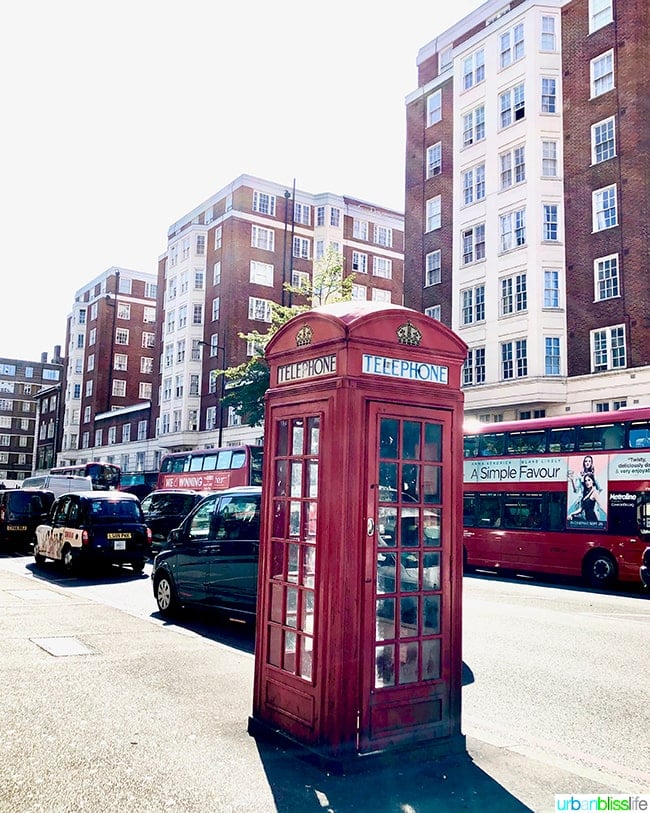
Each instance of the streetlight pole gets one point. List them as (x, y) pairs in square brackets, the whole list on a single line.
[(220, 388)]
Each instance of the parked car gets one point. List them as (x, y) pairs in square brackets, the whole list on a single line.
[(212, 558), (21, 511), (644, 571), (94, 528), (165, 510)]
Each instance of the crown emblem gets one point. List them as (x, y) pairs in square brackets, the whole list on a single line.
[(409, 334), (304, 336)]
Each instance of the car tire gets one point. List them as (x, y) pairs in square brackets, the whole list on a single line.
[(68, 560), (599, 569), (165, 593)]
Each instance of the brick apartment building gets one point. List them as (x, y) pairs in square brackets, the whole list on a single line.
[(225, 264), (20, 383), (526, 158), (109, 373)]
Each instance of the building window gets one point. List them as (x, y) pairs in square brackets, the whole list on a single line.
[(434, 213), (80, 340), (264, 203), (121, 336), (472, 305), (474, 126), (548, 40), (603, 141), (473, 242), (359, 262), (199, 277), (218, 237), (551, 288), (125, 285), (259, 309), (382, 267), (514, 359), (514, 294), (149, 315), (512, 230), (603, 202), (512, 167), (178, 386), (360, 229), (215, 308), (301, 213), (380, 295), (549, 95), (383, 236), (512, 105), (432, 274), (182, 316), (169, 354), (90, 366), (335, 217), (602, 74), (112, 435), (551, 355), (511, 46), (180, 352), (148, 339), (146, 364), (261, 273), (142, 430), (434, 160), (474, 367), (123, 311), (216, 273), (606, 278), (119, 387), (434, 107), (608, 349), (434, 312), (197, 314), (86, 414), (549, 223), (126, 433), (609, 406), (301, 247), (300, 279), (144, 391), (320, 215), (99, 437), (120, 361), (262, 238), (549, 159), (359, 293), (473, 184), (474, 69), (600, 13)]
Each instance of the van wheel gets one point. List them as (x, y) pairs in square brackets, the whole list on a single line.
[(599, 569), (166, 598), (68, 560)]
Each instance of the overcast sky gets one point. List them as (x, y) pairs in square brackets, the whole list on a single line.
[(118, 118)]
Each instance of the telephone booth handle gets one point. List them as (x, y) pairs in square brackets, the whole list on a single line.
[(371, 526)]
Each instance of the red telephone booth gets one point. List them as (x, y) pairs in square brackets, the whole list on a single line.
[(358, 648)]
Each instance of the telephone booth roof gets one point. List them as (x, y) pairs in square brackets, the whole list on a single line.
[(376, 322)]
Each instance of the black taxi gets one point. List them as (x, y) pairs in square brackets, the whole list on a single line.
[(94, 528)]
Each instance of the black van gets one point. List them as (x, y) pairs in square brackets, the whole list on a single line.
[(21, 511), (211, 560)]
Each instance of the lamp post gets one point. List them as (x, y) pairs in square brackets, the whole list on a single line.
[(220, 388)]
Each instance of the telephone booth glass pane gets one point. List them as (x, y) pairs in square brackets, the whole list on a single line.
[(292, 610), (408, 576)]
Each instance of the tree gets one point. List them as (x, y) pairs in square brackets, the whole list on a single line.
[(248, 382)]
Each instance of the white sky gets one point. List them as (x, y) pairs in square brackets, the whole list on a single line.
[(120, 117)]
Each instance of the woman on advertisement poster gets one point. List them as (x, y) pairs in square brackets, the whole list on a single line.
[(586, 510)]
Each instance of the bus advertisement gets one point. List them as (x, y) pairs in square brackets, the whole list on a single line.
[(211, 469), (566, 496)]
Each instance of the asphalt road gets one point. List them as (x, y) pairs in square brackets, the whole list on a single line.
[(553, 672)]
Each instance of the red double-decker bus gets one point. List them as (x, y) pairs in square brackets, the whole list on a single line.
[(567, 495), (212, 469)]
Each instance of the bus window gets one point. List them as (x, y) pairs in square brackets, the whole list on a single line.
[(603, 436), (196, 463), (522, 511), (643, 514), (562, 440), (238, 460), (639, 435), (489, 511), (470, 446), (209, 462), (526, 442), (223, 461), (492, 444), (469, 520), (556, 511)]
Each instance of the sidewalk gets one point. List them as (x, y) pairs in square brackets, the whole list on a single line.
[(130, 716)]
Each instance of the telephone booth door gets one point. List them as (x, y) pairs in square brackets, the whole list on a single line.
[(406, 681)]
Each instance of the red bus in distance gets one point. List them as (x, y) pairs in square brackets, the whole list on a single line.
[(211, 469), (567, 495)]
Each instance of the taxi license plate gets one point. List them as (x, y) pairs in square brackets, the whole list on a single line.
[(16, 527)]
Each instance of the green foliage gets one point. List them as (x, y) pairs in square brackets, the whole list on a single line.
[(247, 383)]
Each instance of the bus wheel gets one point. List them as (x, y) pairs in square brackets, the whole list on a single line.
[(599, 569)]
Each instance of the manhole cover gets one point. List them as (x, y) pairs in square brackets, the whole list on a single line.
[(62, 645)]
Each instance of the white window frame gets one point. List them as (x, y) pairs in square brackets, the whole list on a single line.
[(473, 183), (608, 348), (434, 159), (512, 167), (360, 229), (604, 201), (472, 305), (118, 387), (472, 238), (261, 273), (434, 312), (434, 213), (601, 13), (601, 73), (511, 46), (382, 267), (264, 203), (433, 268), (551, 292), (548, 36), (359, 262), (549, 100), (607, 280), (259, 310), (474, 69), (262, 238), (550, 222), (512, 230), (514, 359), (552, 355), (474, 126), (512, 105), (513, 294), (434, 107), (549, 159), (603, 140)]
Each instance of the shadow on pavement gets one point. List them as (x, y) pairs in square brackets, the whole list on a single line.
[(624, 589), (450, 784)]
